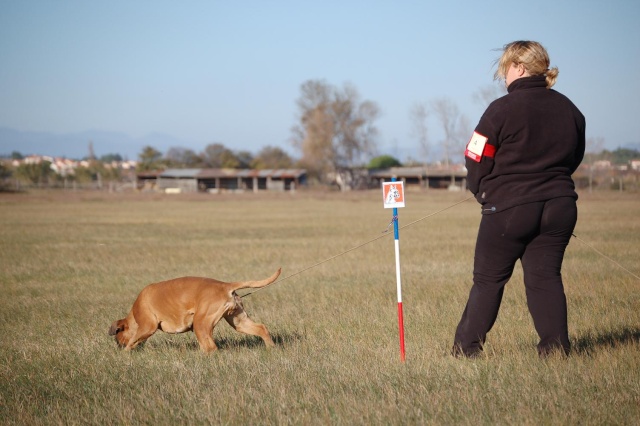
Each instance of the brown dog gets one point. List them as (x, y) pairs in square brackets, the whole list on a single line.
[(189, 304)]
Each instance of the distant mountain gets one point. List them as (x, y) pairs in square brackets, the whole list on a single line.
[(76, 145)]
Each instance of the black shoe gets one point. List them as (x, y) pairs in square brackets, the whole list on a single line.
[(550, 351), (458, 352)]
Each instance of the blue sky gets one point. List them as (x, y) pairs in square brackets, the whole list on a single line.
[(230, 72)]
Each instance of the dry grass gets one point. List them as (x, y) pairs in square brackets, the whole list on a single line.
[(71, 263)]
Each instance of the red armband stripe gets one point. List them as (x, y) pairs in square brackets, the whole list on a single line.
[(489, 151)]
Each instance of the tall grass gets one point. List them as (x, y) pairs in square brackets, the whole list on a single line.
[(71, 263)]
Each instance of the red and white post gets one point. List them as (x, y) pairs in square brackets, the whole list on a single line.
[(393, 195)]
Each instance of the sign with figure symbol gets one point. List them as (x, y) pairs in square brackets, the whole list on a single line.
[(393, 194)]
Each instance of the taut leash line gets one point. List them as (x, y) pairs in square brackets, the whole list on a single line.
[(605, 256), (385, 233)]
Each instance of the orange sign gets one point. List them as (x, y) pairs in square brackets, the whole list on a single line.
[(393, 194)]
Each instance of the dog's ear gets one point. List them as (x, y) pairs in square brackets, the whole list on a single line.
[(116, 327)]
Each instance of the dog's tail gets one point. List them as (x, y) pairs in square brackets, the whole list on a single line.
[(256, 284)]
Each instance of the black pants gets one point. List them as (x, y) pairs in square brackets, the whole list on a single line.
[(537, 234)]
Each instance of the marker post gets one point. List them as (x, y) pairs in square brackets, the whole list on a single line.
[(393, 195)]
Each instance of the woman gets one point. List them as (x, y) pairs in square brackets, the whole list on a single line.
[(520, 160)]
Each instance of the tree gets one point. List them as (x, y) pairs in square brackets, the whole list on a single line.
[(624, 155), (335, 131), (313, 135), (418, 116), (245, 158), (228, 160), (464, 131), (149, 159), (83, 175), (182, 157), (485, 95), (35, 173), (110, 158), (271, 157), (454, 125), (383, 162), (92, 154), (5, 172), (218, 156)]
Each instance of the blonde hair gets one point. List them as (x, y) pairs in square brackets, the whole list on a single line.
[(532, 55)]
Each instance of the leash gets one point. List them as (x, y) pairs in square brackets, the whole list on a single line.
[(385, 233), (605, 256)]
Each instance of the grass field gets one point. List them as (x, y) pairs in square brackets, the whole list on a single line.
[(71, 263)]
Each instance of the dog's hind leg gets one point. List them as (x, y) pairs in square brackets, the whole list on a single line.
[(204, 335), (203, 325), (142, 321), (240, 321), (141, 334)]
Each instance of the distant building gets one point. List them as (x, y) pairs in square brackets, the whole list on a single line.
[(602, 164), (424, 177), (222, 180)]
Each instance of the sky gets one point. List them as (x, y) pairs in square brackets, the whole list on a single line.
[(230, 72)]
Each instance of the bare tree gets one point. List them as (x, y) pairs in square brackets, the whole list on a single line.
[(418, 115), (448, 114), (92, 154), (456, 126), (487, 94), (354, 131), (314, 139), (336, 130), (313, 136), (464, 130)]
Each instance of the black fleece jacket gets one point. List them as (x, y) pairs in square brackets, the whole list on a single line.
[(539, 140)]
